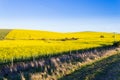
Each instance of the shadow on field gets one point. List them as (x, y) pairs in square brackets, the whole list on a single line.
[(106, 69)]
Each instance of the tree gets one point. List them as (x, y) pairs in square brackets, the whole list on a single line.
[(101, 36)]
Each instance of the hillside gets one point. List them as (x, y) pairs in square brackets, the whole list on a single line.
[(3, 33), (35, 34)]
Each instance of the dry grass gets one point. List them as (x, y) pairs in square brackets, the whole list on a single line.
[(105, 68), (67, 68)]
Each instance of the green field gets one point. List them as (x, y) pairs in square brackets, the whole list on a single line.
[(3, 33)]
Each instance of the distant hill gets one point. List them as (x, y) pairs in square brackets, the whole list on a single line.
[(36, 34), (33, 34)]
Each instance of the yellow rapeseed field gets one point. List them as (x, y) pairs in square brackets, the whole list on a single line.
[(23, 44)]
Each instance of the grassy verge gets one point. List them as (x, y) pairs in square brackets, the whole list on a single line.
[(105, 69)]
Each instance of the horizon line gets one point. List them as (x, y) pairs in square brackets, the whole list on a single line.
[(58, 31)]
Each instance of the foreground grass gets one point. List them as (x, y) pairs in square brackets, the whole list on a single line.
[(70, 68), (105, 69)]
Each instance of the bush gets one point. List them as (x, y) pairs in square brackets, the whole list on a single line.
[(101, 36), (117, 44), (74, 38)]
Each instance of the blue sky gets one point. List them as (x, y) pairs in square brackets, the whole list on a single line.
[(61, 15)]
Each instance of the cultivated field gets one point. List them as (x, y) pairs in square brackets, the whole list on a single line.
[(19, 47), (24, 44)]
